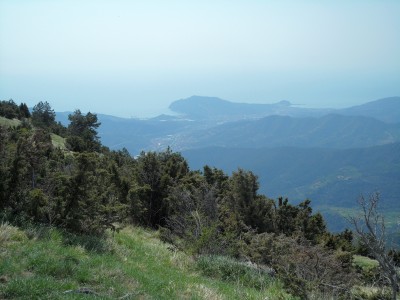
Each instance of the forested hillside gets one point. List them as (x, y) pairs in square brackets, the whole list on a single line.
[(64, 177), (313, 172), (328, 156), (333, 179), (330, 131)]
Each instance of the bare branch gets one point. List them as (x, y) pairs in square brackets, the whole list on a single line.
[(371, 230)]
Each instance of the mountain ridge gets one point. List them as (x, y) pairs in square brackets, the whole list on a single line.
[(204, 108), (385, 109), (333, 130), (184, 132), (199, 107)]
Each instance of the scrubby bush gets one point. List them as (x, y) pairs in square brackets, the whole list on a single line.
[(305, 268), (232, 270), (9, 234), (371, 293)]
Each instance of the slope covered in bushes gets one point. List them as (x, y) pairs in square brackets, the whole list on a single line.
[(85, 190)]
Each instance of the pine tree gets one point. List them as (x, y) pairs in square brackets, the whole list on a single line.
[(82, 132), (43, 115)]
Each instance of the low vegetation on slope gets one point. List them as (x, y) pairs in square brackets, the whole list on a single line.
[(48, 263), (45, 263), (9, 122)]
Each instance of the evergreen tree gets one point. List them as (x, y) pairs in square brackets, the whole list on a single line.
[(24, 112), (9, 109), (43, 115), (286, 217), (4, 143), (82, 132), (91, 199), (156, 174)]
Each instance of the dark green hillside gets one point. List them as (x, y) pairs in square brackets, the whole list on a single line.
[(331, 131), (300, 172), (328, 177)]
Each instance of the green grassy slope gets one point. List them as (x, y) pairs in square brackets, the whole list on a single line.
[(57, 141), (9, 122), (132, 264)]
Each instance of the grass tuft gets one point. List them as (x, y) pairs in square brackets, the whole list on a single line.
[(371, 293), (365, 263), (9, 234), (9, 122), (231, 270)]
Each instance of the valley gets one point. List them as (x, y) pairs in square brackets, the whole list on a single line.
[(328, 156)]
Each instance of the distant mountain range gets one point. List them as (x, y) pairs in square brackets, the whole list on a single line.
[(330, 156), (208, 122), (212, 108)]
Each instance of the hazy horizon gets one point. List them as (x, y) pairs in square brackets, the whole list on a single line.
[(131, 58)]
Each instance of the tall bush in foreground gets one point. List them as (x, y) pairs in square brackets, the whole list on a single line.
[(370, 228), (303, 267)]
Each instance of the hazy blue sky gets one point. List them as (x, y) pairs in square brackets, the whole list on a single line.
[(133, 58)]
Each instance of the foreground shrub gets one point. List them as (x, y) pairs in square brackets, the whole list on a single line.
[(10, 233), (304, 268), (371, 293), (231, 270)]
